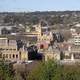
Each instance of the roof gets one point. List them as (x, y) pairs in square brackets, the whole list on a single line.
[(19, 37)]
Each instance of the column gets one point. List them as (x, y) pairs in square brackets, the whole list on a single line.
[(72, 56)]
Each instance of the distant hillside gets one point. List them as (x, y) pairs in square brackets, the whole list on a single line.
[(52, 17)]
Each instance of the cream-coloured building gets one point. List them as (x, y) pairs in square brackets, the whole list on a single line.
[(73, 53), (76, 38), (52, 54), (44, 35), (8, 50)]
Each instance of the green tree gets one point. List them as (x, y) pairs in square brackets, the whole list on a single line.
[(6, 71), (52, 71), (44, 71)]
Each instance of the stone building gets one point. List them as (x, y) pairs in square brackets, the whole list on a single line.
[(44, 36), (51, 53), (9, 51), (76, 38), (73, 53)]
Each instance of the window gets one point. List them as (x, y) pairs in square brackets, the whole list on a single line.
[(44, 39), (41, 46), (9, 55), (6, 55), (16, 56), (3, 55), (13, 56), (6, 49), (14, 49), (0, 55)]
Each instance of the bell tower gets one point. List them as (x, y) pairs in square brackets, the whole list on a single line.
[(38, 29)]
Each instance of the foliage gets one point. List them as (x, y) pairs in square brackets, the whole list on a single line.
[(44, 71), (6, 71), (52, 17), (49, 70), (52, 71)]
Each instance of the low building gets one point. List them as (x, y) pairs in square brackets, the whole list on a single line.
[(76, 38), (52, 54), (73, 53)]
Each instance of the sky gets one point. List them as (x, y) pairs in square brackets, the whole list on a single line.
[(38, 5)]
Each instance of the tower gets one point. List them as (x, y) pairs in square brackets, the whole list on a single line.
[(44, 34)]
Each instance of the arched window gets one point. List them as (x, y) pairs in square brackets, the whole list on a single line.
[(3, 55), (9, 55), (6, 55), (16, 55), (0, 55), (41, 46), (13, 56)]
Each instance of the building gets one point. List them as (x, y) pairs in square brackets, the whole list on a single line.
[(73, 54), (9, 51), (70, 52), (76, 38), (44, 36), (53, 54)]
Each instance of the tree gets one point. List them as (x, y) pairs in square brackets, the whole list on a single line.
[(44, 71), (6, 71), (5, 31), (52, 71)]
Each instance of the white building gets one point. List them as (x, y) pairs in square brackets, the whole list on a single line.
[(76, 38)]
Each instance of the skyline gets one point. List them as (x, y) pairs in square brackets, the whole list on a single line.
[(38, 5)]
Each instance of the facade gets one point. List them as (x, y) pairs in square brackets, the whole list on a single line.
[(76, 38), (44, 36), (72, 49), (9, 51), (73, 53), (70, 52), (52, 54)]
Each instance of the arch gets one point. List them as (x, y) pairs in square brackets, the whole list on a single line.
[(41, 46), (13, 56)]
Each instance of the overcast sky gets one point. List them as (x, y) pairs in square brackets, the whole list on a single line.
[(38, 5)]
